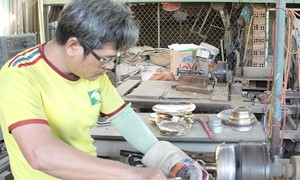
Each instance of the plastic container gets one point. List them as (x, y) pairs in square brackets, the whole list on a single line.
[(209, 52), (216, 125)]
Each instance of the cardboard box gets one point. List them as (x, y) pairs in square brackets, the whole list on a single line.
[(176, 57)]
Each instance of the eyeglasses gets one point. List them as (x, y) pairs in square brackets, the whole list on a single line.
[(103, 61)]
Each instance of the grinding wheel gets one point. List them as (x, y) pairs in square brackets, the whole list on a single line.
[(253, 161), (225, 162), (246, 161)]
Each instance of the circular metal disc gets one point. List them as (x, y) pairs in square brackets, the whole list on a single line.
[(254, 161), (225, 160)]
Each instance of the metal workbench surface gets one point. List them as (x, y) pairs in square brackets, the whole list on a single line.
[(109, 142), (195, 135)]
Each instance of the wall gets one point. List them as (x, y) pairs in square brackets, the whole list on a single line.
[(18, 17), (4, 13)]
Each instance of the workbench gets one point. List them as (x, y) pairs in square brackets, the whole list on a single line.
[(146, 94), (109, 142)]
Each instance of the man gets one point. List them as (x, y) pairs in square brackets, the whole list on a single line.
[(52, 94)]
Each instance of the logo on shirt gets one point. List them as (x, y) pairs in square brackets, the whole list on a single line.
[(94, 96)]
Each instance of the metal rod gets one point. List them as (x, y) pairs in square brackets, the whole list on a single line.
[(278, 75)]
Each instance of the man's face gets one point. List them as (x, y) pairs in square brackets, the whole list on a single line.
[(94, 64)]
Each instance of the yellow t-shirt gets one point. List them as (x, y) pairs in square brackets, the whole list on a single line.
[(34, 91)]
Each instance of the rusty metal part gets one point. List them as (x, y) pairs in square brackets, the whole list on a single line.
[(193, 83), (192, 80), (206, 128)]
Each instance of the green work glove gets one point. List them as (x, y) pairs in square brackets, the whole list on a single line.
[(173, 162)]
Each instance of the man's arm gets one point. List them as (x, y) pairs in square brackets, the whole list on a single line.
[(158, 154), (58, 159)]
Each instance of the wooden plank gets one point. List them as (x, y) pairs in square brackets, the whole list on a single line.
[(127, 86), (151, 89)]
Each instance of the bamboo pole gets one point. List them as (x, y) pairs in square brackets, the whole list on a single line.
[(41, 20), (247, 40)]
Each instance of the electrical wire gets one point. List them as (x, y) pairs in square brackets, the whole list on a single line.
[(268, 128), (286, 72), (292, 24)]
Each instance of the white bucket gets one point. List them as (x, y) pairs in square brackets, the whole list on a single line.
[(209, 52), (212, 49)]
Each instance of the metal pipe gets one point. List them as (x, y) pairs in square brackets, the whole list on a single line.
[(278, 77)]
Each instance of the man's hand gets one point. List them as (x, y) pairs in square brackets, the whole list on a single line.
[(188, 169), (173, 162)]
